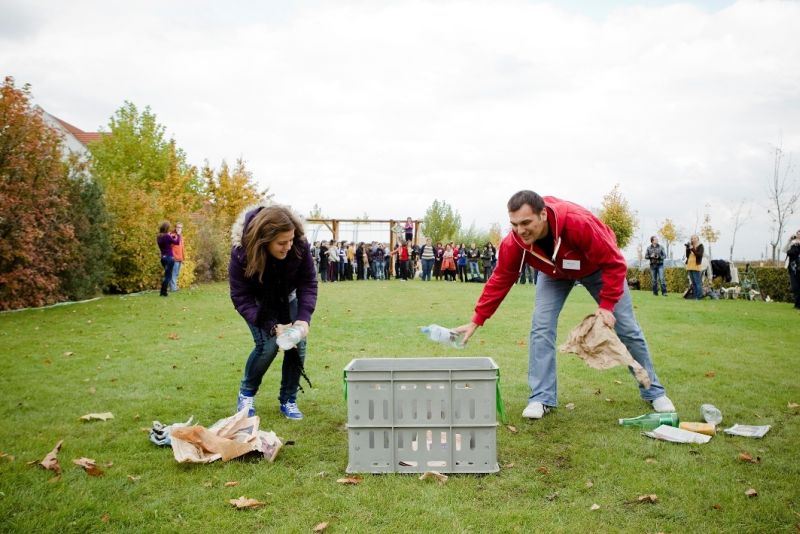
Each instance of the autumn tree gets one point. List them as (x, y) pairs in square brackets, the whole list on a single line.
[(441, 222), (495, 233), (707, 232), (233, 191), (669, 234), (36, 237), (617, 214)]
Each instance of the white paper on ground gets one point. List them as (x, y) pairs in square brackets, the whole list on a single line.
[(677, 435), (748, 431)]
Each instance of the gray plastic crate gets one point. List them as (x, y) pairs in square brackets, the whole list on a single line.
[(422, 414)]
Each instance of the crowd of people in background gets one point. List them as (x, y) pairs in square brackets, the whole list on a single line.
[(342, 260)]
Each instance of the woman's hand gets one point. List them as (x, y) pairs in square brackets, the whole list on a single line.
[(466, 329), (303, 326)]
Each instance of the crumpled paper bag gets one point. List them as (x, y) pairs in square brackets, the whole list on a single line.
[(598, 345), (227, 439)]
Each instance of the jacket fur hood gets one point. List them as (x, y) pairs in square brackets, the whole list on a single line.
[(238, 228)]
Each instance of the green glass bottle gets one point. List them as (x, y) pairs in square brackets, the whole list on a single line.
[(649, 421)]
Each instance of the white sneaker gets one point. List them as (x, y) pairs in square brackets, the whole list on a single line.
[(535, 410), (663, 405)]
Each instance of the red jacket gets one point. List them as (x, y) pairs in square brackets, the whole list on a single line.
[(582, 244)]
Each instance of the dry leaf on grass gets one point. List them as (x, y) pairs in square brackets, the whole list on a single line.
[(89, 465), (751, 492), (552, 496), (570, 406), (434, 475), (508, 465), (9, 457), (589, 483), (349, 480), (651, 498), (97, 416), (50, 461), (69, 353), (543, 470), (793, 405), (650, 461), (105, 518), (173, 336), (512, 429), (747, 457), (618, 382), (243, 502), (231, 483), (133, 478), (594, 507), (717, 507), (321, 526), (711, 374)]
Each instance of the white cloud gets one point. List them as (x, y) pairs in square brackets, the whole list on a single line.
[(382, 107)]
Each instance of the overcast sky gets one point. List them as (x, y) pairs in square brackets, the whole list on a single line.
[(380, 107)]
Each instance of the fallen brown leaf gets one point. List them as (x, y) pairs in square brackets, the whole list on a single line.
[(231, 483), (321, 526), (711, 374), (89, 465), (543, 470), (50, 461), (717, 507), (105, 518), (349, 480), (97, 416), (570, 406), (793, 405), (508, 465), (598, 392), (651, 498), (589, 483), (594, 507), (747, 457), (750, 492), (650, 461), (69, 353), (133, 478), (512, 429), (243, 502), (9, 457), (434, 475), (172, 335)]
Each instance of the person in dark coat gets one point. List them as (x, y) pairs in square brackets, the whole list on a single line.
[(273, 286)]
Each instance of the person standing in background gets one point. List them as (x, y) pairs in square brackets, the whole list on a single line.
[(694, 261), (165, 240), (656, 254), (177, 252)]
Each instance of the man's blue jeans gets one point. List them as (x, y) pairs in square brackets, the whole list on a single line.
[(427, 267), (176, 270), (550, 297), (657, 274), (379, 266), (262, 356)]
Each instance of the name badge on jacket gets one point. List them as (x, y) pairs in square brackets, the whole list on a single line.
[(574, 265)]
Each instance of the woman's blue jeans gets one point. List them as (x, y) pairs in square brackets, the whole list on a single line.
[(262, 356), (427, 267), (697, 284), (550, 297), (168, 262)]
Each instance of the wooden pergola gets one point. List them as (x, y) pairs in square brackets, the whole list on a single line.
[(333, 226)]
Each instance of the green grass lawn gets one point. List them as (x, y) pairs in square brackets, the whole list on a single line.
[(119, 354)]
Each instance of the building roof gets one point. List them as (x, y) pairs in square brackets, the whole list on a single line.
[(84, 137)]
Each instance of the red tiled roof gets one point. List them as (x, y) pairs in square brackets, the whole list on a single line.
[(84, 137)]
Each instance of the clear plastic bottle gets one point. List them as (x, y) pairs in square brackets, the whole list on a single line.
[(649, 421), (290, 337), (443, 335), (711, 414)]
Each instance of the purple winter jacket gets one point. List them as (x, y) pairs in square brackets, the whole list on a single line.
[(251, 297)]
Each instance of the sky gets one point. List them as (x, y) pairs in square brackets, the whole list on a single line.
[(379, 108)]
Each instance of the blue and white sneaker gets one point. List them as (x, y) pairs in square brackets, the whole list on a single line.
[(291, 411), (246, 402)]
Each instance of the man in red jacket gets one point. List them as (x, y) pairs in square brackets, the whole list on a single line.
[(567, 244)]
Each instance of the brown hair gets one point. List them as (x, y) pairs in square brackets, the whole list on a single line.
[(520, 198), (264, 228), (163, 227)]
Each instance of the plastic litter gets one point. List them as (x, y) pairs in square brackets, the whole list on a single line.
[(711, 414), (677, 435), (748, 431)]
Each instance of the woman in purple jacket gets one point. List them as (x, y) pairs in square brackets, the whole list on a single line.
[(273, 285), (165, 240)]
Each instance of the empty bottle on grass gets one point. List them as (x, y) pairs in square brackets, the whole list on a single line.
[(711, 414), (649, 421), (290, 337), (443, 335)]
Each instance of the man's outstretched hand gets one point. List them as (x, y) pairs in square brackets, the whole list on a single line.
[(466, 329)]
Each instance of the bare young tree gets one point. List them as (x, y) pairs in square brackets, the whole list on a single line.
[(739, 218), (783, 194)]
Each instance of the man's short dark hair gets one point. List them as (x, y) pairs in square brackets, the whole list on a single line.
[(520, 198), (652, 238)]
